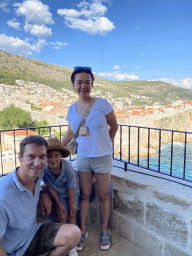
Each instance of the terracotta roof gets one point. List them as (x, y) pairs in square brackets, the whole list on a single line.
[(21, 133)]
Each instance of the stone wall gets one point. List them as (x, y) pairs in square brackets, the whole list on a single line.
[(154, 214)]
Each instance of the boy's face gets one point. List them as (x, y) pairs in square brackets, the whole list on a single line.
[(54, 160)]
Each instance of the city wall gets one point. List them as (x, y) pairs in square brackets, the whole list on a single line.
[(153, 214)]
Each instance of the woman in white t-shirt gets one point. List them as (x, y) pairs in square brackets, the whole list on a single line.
[(94, 151)]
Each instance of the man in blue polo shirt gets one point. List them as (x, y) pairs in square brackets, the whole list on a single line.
[(19, 194)]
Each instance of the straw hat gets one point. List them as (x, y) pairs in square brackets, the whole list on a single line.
[(55, 144)]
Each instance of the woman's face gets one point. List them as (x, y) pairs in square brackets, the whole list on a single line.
[(83, 84)]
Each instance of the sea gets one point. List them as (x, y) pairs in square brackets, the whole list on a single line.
[(165, 160)]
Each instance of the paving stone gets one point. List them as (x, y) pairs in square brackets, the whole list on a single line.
[(173, 251)]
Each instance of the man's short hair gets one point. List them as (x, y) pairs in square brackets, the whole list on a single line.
[(32, 139)]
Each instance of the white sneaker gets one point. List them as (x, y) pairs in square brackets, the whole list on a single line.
[(73, 252)]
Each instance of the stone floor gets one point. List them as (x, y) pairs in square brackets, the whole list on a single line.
[(120, 246)]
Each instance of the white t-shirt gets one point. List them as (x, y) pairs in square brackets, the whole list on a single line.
[(97, 142)]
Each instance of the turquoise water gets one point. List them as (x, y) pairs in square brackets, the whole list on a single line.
[(178, 159)]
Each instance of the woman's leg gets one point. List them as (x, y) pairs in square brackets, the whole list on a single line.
[(85, 179), (102, 185)]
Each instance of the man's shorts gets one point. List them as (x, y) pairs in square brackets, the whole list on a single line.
[(65, 202), (101, 164), (43, 240)]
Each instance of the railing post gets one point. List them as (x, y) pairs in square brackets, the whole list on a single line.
[(185, 150), (129, 145), (148, 148), (171, 163), (138, 138), (159, 159), (125, 166), (120, 142)]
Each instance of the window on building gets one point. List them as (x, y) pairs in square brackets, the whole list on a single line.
[(10, 154), (4, 160)]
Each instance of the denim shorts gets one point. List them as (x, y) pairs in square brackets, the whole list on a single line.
[(65, 202), (43, 240), (101, 164)]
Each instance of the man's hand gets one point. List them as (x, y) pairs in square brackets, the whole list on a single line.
[(45, 204), (62, 214)]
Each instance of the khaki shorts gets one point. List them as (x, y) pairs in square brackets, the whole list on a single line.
[(43, 240), (101, 164)]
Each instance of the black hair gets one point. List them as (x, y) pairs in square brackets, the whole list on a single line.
[(32, 139), (81, 71)]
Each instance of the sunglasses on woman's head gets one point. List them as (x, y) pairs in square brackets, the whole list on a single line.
[(82, 69)]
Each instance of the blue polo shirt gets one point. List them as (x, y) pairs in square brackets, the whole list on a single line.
[(18, 207), (67, 179)]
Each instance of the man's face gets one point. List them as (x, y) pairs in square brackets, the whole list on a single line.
[(33, 161)]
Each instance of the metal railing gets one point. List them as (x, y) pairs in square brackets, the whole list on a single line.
[(134, 145), (171, 150)]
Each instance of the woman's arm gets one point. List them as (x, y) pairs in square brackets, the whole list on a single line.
[(113, 126), (67, 137)]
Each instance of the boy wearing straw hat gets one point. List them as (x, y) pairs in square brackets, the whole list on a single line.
[(62, 182)]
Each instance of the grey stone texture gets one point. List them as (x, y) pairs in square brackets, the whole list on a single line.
[(167, 224), (170, 250), (133, 209), (125, 228), (147, 241)]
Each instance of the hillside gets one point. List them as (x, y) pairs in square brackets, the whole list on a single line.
[(14, 67)]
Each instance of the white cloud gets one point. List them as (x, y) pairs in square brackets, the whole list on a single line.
[(137, 67), (118, 76), (13, 23), (4, 6), (34, 11), (182, 82), (58, 45), (37, 16), (38, 30), (116, 67), (90, 18), (17, 46)]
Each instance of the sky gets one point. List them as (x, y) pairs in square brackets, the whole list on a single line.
[(119, 39)]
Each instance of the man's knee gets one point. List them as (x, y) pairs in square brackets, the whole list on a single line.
[(68, 234)]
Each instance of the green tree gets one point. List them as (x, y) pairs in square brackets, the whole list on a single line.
[(42, 123), (13, 117), (57, 134)]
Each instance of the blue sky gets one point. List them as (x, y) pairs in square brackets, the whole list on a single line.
[(119, 39)]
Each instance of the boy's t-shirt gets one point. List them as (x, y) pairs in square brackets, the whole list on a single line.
[(67, 179)]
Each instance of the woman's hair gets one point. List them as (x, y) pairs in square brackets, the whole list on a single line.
[(78, 70)]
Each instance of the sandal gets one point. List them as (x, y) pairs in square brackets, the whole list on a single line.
[(81, 243), (105, 240)]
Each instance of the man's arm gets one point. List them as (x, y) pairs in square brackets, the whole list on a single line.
[(45, 203), (2, 251)]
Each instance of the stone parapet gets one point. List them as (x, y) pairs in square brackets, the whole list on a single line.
[(154, 214)]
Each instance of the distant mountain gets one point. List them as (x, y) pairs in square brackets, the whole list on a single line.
[(14, 67)]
